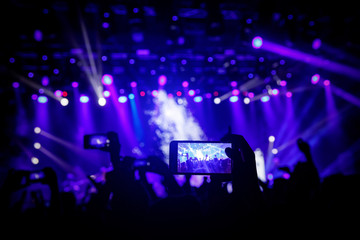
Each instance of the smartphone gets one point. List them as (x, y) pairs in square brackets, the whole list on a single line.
[(199, 157), (36, 176), (96, 141)]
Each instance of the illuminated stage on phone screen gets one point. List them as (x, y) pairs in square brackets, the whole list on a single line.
[(204, 158)]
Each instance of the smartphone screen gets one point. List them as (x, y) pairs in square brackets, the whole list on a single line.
[(95, 141), (199, 157)]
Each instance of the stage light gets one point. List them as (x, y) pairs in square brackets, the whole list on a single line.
[(236, 92), (75, 84), (58, 93), (208, 95), (289, 94), (246, 100), (233, 98), (178, 93), (154, 93), (283, 83), (122, 99), (315, 78), (133, 84), (270, 176), (37, 130), (106, 93), (275, 91), (233, 84), (131, 96), (37, 145), (274, 151), (64, 93), (15, 85), (105, 25), (162, 80), (72, 60), (217, 100), (265, 98), (142, 93), (198, 99), (185, 84), (102, 101), (34, 160), (107, 79), (257, 42), (326, 83), (251, 94), (191, 92), (84, 99), (34, 97), (64, 102), (316, 44), (45, 81), (271, 139), (216, 93), (42, 99)]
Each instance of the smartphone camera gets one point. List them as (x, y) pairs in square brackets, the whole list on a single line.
[(199, 157), (96, 141)]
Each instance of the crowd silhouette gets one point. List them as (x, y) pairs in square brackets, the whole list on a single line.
[(126, 207)]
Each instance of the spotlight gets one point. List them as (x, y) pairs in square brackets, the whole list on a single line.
[(106, 93), (37, 145), (75, 84), (236, 92), (191, 92), (15, 85), (217, 100), (198, 99), (122, 99), (107, 79), (178, 93), (271, 139), (142, 93), (131, 96), (133, 84), (154, 93), (84, 99), (265, 98), (185, 84), (34, 160), (42, 99), (274, 151), (102, 101), (246, 100), (37, 130), (162, 80), (275, 91), (233, 98), (289, 94), (316, 44), (283, 83), (326, 83), (315, 78), (64, 102), (257, 42)]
